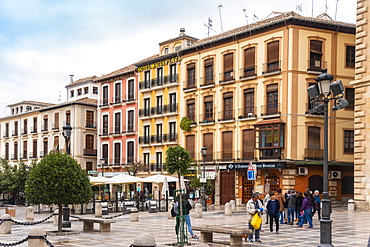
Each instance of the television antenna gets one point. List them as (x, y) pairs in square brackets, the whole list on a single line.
[(298, 8), (59, 96), (255, 18), (326, 7), (245, 14), (209, 25), (220, 6), (312, 9), (336, 9)]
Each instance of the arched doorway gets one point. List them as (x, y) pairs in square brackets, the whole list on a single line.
[(315, 182)]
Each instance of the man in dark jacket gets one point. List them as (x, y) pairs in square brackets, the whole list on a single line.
[(273, 207), (292, 203), (299, 204)]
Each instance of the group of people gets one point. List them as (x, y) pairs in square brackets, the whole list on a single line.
[(291, 207)]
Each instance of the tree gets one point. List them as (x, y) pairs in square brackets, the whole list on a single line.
[(58, 179), (178, 160)]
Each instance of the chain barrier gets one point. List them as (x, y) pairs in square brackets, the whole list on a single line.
[(31, 223), (15, 243), (110, 217), (1, 221), (47, 242)]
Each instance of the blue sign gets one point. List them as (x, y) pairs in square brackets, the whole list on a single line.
[(251, 175)]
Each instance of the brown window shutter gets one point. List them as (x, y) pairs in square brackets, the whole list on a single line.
[(191, 66), (273, 51), (208, 62), (227, 140), (190, 101), (249, 90), (249, 57), (316, 46), (190, 144), (272, 88), (45, 116), (208, 143), (228, 62), (228, 95), (208, 99)]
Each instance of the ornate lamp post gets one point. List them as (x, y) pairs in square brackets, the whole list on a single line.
[(319, 96), (203, 151), (67, 136)]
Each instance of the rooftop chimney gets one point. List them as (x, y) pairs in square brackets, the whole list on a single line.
[(182, 32), (71, 78)]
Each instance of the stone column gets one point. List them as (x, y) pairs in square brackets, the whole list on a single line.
[(98, 210), (30, 213), (198, 210), (233, 206), (6, 226), (55, 217), (35, 237), (134, 215), (228, 211)]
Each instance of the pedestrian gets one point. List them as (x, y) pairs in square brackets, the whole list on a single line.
[(273, 207), (306, 210), (292, 202), (186, 209), (281, 200), (265, 201), (286, 197), (316, 205), (311, 198), (146, 194), (254, 206), (299, 205)]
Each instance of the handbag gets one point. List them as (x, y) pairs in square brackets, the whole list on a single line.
[(256, 222)]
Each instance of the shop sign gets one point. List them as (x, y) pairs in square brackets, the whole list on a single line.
[(159, 64), (259, 165), (252, 170)]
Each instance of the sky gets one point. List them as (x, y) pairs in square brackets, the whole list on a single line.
[(42, 42)]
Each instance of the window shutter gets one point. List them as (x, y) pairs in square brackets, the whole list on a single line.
[(190, 144), (272, 88), (228, 95), (208, 62), (190, 101), (249, 57), (191, 66), (208, 143), (316, 46), (249, 90), (208, 99), (228, 62), (273, 51)]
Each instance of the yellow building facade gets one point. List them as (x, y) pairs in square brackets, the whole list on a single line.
[(246, 92)]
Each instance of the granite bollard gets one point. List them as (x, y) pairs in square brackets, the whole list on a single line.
[(98, 210), (233, 206), (134, 215), (228, 211), (30, 213), (198, 210), (6, 226), (36, 238)]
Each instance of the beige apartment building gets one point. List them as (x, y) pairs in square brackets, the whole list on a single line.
[(246, 92)]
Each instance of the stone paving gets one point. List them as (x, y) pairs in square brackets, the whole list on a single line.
[(349, 229)]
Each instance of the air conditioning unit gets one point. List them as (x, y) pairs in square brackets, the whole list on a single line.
[(335, 174), (302, 171)]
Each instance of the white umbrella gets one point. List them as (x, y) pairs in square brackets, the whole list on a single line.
[(124, 179), (159, 179), (98, 180), (164, 188)]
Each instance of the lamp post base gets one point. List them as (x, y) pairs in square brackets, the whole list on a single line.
[(325, 233)]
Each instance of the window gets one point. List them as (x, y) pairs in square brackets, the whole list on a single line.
[(68, 117), (90, 119), (159, 76), (190, 145), (15, 131), (166, 50), (24, 126), (159, 138), (130, 152), (146, 134), (105, 125), (208, 109), (147, 79), (271, 140), (6, 130), (105, 96), (24, 156), (95, 90), (173, 135), (248, 102), (190, 104), (45, 147), (56, 143), (350, 96), (105, 151), (177, 48), (249, 62), (117, 123), (248, 144), (89, 143), (34, 148), (56, 120), (228, 113), (208, 71), (117, 93), (130, 121), (147, 107), (315, 55), (15, 157), (349, 138), (158, 158), (159, 108), (117, 153), (173, 74), (227, 145), (272, 99), (7, 151), (191, 75), (131, 90), (45, 126), (79, 91), (228, 67), (34, 125), (146, 159), (72, 93), (86, 90), (208, 143), (173, 103), (273, 63), (350, 56), (89, 166), (313, 150)]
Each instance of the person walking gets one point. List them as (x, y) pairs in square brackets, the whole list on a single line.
[(316, 205), (286, 197), (299, 206), (265, 201), (273, 207), (186, 209), (306, 210), (254, 206), (292, 202), (281, 200)]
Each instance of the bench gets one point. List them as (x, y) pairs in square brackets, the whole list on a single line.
[(236, 234), (88, 224)]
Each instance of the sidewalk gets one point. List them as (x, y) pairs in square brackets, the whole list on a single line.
[(349, 229)]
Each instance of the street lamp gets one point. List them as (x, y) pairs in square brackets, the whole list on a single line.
[(67, 136), (103, 162), (203, 151), (320, 94)]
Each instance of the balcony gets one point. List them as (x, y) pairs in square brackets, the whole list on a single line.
[(44, 128), (90, 125), (227, 155), (211, 156), (171, 137), (120, 161), (90, 152), (207, 118), (271, 109), (129, 98), (190, 85), (228, 115), (248, 73), (144, 140), (207, 81), (315, 66), (246, 154), (23, 155), (55, 126), (42, 154), (15, 133), (172, 78), (156, 167), (155, 139), (270, 153), (14, 157), (103, 132), (128, 129), (116, 130), (103, 102), (313, 154), (271, 68), (157, 110), (145, 84), (227, 77), (32, 155), (24, 131), (6, 134), (171, 108), (33, 130), (116, 100), (247, 113), (145, 112)]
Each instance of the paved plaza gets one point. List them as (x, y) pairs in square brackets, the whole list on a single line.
[(349, 229)]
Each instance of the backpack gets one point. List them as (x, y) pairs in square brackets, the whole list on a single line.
[(173, 213)]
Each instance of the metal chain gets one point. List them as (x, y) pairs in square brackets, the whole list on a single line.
[(1, 221), (31, 223), (110, 217), (15, 243), (47, 242)]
